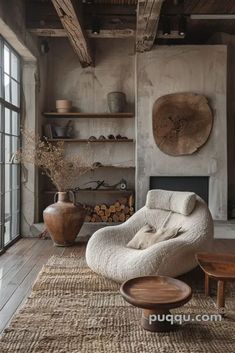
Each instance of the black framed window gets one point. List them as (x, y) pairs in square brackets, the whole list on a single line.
[(10, 86)]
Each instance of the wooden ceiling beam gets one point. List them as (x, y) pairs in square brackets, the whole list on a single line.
[(70, 19), (104, 33), (148, 14)]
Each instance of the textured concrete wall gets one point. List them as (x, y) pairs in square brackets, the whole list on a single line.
[(12, 28), (198, 69), (229, 40), (88, 88)]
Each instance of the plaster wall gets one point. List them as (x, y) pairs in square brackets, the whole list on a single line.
[(172, 69), (229, 40), (114, 70)]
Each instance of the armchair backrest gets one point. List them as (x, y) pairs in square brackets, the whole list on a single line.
[(179, 209), (175, 201)]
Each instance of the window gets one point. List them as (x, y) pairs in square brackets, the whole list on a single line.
[(10, 143)]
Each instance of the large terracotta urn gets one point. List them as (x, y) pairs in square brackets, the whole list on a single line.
[(64, 220)]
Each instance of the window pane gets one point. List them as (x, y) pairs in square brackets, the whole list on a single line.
[(7, 177), (1, 56), (15, 225), (7, 121), (15, 123), (1, 147), (15, 203), (1, 123), (14, 93), (6, 60), (15, 176), (7, 233), (1, 79), (14, 66), (7, 149), (7, 88), (7, 205), (15, 145)]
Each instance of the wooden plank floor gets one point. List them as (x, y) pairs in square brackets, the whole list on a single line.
[(20, 265)]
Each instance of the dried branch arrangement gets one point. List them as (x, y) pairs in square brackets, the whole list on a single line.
[(62, 169)]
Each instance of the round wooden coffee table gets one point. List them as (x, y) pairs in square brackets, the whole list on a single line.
[(156, 295)]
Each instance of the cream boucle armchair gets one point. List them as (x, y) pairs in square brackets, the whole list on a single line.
[(108, 255)]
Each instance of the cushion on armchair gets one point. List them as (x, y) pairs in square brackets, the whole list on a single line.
[(148, 236), (175, 201)]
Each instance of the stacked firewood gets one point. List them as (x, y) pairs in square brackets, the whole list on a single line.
[(119, 211)]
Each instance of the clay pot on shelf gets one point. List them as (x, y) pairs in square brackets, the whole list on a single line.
[(116, 102), (63, 220), (63, 106)]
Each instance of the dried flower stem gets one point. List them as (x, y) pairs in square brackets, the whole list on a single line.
[(61, 169)]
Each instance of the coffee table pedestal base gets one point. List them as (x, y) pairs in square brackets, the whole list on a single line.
[(154, 320)]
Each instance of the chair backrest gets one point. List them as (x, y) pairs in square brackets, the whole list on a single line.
[(179, 209), (175, 201)]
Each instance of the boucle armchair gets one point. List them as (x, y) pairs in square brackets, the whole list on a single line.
[(108, 255)]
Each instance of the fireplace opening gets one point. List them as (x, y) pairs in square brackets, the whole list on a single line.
[(197, 184)]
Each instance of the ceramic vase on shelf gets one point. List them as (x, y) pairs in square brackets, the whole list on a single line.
[(116, 102), (63, 106), (63, 220)]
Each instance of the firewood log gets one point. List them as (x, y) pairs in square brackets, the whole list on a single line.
[(97, 218), (93, 220), (115, 218), (131, 209), (110, 220), (117, 204), (103, 207), (101, 213), (131, 201), (104, 218), (123, 200), (87, 218), (118, 208), (112, 209), (97, 208), (126, 210), (107, 212), (122, 217)]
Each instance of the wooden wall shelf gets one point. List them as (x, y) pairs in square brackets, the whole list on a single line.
[(124, 192), (103, 223), (91, 141), (88, 115)]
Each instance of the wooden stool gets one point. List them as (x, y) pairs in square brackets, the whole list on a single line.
[(156, 295), (220, 267)]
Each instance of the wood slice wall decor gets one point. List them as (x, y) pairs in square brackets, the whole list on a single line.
[(182, 123)]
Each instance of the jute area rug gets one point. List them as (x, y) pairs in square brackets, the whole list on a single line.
[(73, 310)]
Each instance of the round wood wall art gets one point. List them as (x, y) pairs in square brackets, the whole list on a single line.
[(182, 123)]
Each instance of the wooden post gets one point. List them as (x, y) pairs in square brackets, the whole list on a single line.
[(220, 294), (71, 22), (148, 14), (207, 285)]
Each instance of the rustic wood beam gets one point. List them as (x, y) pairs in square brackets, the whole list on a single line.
[(148, 14), (104, 33), (68, 14)]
